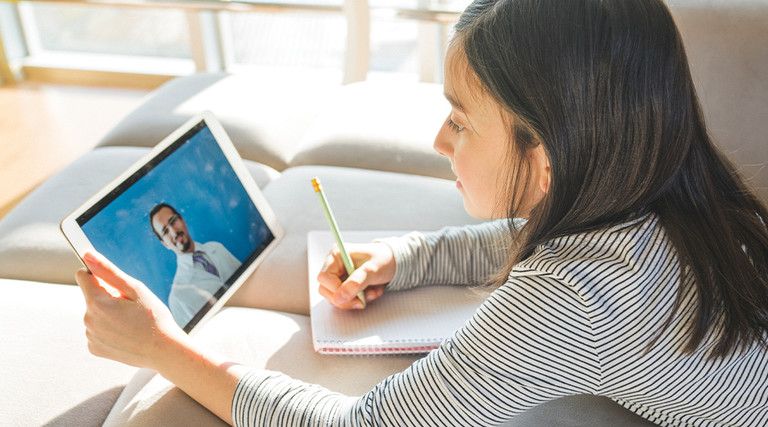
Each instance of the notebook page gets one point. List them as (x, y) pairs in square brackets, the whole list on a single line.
[(406, 321)]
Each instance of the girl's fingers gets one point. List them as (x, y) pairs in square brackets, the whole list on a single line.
[(374, 268), (356, 282), (353, 304), (373, 292), (333, 271), (110, 274), (88, 284), (329, 283)]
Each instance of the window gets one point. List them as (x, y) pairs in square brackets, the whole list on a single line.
[(299, 40), (389, 38)]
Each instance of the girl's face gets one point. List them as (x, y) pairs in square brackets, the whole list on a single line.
[(475, 137)]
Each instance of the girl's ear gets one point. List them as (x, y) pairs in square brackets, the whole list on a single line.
[(541, 170)]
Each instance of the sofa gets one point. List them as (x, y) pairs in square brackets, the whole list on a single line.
[(370, 142)]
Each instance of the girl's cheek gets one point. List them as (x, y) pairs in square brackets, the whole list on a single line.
[(458, 170)]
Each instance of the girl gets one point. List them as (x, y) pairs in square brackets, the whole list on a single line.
[(641, 272)]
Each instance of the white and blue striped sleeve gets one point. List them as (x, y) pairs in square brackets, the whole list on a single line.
[(530, 342), (465, 255)]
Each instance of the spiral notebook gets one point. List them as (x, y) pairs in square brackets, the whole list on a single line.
[(412, 321)]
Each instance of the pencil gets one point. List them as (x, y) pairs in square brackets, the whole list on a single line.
[(336, 233)]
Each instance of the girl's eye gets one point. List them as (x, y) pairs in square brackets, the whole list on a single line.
[(455, 127)]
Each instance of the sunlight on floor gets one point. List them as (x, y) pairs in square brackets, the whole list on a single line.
[(44, 127)]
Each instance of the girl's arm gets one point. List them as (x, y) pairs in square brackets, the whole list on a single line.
[(466, 255), (507, 358), (452, 256), (126, 322)]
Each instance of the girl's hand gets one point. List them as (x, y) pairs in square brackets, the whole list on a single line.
[(374, 268), (124, 320)]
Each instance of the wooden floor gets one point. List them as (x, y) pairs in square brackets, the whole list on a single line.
[(44, 127)]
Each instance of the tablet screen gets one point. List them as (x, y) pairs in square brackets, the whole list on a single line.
[(183, 224)]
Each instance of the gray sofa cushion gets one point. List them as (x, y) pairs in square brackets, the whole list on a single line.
[(48, 376), (381, 126), (265, 120)]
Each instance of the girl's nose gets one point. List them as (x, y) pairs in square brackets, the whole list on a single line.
[(444, 140)]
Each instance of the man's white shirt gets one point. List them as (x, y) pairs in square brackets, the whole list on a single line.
[(192, 286)]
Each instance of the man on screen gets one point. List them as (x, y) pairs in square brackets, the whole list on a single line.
[(201, 268)]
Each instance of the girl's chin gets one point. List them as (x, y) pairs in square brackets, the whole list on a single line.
[(475, 213), (473, 210)]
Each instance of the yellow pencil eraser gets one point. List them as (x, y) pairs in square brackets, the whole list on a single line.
[(316, 184)]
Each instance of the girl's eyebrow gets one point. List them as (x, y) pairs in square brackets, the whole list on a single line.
[(453, 101)]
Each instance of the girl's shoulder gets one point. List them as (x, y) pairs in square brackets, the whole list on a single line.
[(628, 253)]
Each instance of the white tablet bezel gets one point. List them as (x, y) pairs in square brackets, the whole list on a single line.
[(81, 244)]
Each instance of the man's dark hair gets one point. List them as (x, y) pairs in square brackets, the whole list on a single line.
[(155, 210)]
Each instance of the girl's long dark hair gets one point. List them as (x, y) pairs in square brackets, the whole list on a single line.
[(605, 86)]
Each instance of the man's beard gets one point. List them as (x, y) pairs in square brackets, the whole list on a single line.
[(187, 244)]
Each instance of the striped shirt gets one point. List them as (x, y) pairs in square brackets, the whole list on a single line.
[(575, 317)]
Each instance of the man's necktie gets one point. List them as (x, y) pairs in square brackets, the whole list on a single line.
[(201, 261)]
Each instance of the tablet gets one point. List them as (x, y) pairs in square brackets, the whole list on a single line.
[(187, 220)]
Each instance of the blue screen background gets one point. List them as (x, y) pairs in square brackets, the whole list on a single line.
[(200, 184)]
